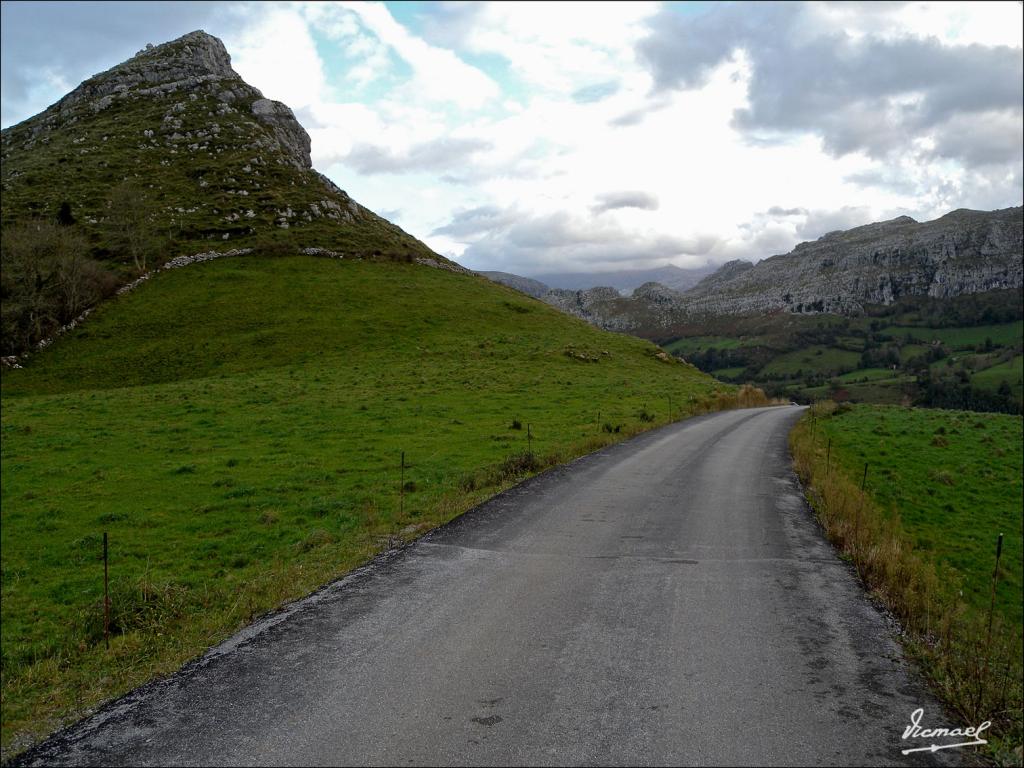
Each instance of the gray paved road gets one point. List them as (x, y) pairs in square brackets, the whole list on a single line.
[(666, 601)]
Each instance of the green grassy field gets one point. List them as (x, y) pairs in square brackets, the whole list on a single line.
[(237, 428), (1003, 334), (867, 374), (941, 486), (815, 359), (1012, 372), (692, 343), (954, 479), (943, 345)]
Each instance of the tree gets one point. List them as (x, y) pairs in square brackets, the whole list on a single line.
[(129, 223), (64, 217), (46, 279)]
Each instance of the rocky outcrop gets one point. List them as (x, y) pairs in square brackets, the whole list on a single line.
[(291, 137), (603, 307), (961, 253), (193, 65), (193, 60), (729, 271)]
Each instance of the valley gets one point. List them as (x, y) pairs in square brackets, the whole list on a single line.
[(954, 353)]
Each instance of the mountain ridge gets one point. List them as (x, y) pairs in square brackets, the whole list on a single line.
[(963, 252)]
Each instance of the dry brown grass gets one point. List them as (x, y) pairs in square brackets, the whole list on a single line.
[(746, 396)]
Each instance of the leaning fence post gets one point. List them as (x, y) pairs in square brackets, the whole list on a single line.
[(107, 598), (995, 578), (529, 440), (864, 480), (991, 611)]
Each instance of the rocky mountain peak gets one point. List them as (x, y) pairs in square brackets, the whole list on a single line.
[(187, 62), (655, 292), (207, 154), (198, 50), (193, 66)]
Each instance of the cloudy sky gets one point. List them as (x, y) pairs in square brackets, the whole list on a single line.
[(536, 138)]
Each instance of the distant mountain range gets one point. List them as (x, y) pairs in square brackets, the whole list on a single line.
[(964, 252), (527, 285), (623, 281), (627, 280)]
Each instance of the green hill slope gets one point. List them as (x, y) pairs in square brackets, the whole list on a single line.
[(237, 427)]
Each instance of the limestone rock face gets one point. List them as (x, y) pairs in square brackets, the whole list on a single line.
[(290, 135), (961, 253), (964, 252), (196, 63), (603, 307), (187, 62)]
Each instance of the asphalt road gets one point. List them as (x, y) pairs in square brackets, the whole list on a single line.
[(669, 600)]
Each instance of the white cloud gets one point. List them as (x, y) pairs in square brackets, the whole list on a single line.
[(439, 74), (559, 46), (278, 55)]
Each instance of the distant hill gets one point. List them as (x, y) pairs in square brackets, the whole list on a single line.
[(627, 280), (530, 287)]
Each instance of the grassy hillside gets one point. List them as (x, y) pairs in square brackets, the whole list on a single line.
[(237, 428), (206, 167)]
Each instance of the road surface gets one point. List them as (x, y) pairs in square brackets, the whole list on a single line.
[(669, 600)]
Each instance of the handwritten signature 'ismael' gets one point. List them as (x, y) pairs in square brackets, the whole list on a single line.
[(915, 731)]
